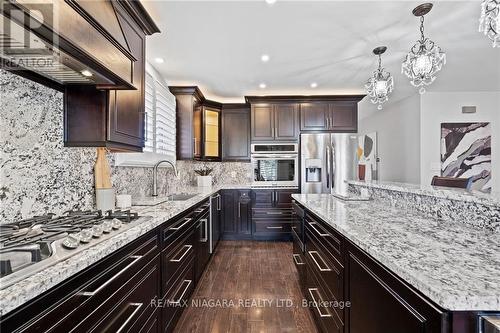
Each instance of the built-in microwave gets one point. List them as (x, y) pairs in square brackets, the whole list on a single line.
[(275, 164)]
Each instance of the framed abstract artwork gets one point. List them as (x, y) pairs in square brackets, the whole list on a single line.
[(466, 153)]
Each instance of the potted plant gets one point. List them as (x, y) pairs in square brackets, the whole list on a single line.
[(204, 179)]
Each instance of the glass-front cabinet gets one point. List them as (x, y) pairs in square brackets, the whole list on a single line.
[(206, 133)]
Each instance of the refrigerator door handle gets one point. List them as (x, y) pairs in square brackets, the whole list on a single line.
[(327, 167), (333, 165)]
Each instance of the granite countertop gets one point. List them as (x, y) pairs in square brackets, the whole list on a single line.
[(488, 199), (27, 289), (455, 265)]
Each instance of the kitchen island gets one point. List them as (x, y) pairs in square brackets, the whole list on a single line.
[(452, 266)]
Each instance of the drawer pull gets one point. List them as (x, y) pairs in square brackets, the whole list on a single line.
[(137, 306), (295, 256), (268, 227), (274, 213), (312, 254), (113, 278), (312, 225), (187, 220), (188, 248), (316, 304), (205, 228), (178, 301)]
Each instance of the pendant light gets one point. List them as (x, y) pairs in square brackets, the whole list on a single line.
[(381, 84), (425, 58), (489, 23)]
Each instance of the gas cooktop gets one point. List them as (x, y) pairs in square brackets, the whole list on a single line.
[(30, 245)]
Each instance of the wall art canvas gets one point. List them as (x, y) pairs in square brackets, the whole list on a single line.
[(367, 156), (466, 153)]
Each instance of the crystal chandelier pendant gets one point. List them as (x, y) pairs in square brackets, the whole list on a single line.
[(425, 58), (489, 23), (381, 84)]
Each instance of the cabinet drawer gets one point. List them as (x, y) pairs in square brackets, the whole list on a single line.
[(322, 310), (176, 298), (329, 273), (272, 214), (176, 232), (134, 310), (176, 260), (331, 242), (272, 227)]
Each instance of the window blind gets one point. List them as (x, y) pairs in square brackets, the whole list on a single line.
[(165, 120)]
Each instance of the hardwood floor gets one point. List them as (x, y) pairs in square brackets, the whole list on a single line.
[(255, 280)]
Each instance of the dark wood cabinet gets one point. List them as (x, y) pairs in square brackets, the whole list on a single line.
[(235, 132), (275, 122), (262, 122), (236, 214), (111, 118), (314, 116), (344, 116), (272, 214), (331, 116), (198, 123), (379, 301)]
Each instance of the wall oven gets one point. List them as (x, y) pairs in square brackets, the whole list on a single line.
[(275, 164)]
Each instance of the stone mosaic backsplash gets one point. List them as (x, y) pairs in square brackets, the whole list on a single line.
[(39, 175)]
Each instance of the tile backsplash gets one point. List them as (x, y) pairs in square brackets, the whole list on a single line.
[(40, 175)]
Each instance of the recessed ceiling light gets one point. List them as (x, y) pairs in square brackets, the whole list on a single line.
[(86, 73), (159, 60), (270, 2), (264, 58), (314, 85), (262, 86)]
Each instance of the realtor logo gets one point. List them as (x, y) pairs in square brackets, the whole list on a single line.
[(21, 28)]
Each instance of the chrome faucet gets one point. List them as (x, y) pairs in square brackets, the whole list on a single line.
[(155, 175)]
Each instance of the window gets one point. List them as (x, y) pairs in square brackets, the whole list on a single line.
[(159, 125)]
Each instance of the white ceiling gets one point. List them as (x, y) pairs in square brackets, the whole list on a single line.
[(217, 45)]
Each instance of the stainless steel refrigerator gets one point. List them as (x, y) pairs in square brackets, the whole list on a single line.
[(327, 161)]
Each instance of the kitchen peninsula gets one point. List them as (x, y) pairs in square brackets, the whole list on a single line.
[(433, 273)]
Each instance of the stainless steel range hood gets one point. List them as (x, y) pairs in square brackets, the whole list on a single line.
[(62, 41)]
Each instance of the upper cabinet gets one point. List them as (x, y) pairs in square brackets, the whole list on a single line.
[(198, 125), (111, 118), (235, 132), (340, 114), (275, 122)]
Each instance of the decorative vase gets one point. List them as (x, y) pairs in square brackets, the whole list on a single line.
[(361, 171), (204, 181)]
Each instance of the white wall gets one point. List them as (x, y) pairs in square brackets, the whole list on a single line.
[(437, 108), (398, 135)]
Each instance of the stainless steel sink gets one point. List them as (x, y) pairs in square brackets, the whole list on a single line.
[(180, 197), (153, 201)]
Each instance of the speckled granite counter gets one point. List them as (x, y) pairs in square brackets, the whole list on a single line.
[(27, 289), (475, 208), (455, 265)]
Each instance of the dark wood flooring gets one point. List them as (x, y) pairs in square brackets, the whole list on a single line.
[(255, 279)]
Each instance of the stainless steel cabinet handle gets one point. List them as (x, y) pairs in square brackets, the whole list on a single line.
[(274, 213), (187, 247), (239, 209), (274, 227), (187, 220), (137, 306), (316, 304), (321, 269), (113, 278), (178, 301), (219, 204), (194, 147), (205, 238), (295, 256), (322, 234)]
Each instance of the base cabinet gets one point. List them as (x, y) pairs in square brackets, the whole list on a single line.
[(350, 292), (236, 214)]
